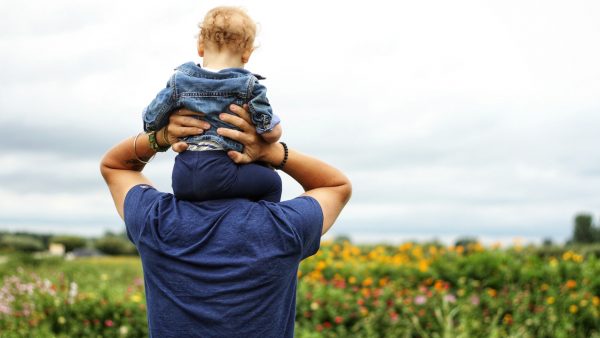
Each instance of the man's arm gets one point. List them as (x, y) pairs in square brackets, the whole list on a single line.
[(121, 166), (329, 186)]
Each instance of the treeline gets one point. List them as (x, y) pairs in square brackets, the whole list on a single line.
[(584, 230), (109, 244)]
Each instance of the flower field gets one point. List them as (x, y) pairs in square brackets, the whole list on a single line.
[(410, 290)]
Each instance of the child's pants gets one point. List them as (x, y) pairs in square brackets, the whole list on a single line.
[(210, 175)]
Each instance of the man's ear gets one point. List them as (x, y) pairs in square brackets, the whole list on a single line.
[(246, 55)]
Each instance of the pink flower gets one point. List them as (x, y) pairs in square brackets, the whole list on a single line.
[(450, 298), (474, 300), (420, 300), (109, 323)]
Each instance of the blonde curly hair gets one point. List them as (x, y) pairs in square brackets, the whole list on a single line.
[(228, 27)]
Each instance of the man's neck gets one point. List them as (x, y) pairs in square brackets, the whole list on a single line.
[(220, 61)]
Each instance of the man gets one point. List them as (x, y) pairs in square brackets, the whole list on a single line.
[(222, 268)]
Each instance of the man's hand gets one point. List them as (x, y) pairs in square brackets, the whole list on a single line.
[(255, 148), (183, 123)]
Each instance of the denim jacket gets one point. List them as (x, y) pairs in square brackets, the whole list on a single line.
[(211, 93)]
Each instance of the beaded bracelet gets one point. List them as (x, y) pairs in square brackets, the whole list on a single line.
[(285, 157)]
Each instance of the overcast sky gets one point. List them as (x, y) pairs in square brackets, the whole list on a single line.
[(450, 117)]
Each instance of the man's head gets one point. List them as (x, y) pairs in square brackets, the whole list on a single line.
[(227, 30)]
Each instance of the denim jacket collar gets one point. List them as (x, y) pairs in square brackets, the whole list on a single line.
[(195, 70)]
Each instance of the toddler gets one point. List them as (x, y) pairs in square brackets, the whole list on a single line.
[(204, 171)]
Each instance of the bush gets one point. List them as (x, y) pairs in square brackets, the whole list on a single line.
[(113, 245), (70, 242), (21, 243)]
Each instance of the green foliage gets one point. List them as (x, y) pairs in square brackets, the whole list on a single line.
[(115, 245), (83, 298), (21, 243), (584, 231), (70, 242), (344, 290)]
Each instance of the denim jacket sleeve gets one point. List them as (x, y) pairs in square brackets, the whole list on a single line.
[(260, 109), (156, 115)]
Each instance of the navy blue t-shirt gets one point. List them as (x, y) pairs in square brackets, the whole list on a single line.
[(222, 268)]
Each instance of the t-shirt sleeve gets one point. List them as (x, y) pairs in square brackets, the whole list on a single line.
[(138, 202), (304, 214)]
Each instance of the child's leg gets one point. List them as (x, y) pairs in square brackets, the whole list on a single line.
[(257, 182), (202, 175), (209, 175)]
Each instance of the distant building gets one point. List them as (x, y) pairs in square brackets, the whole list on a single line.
[(56, 249)]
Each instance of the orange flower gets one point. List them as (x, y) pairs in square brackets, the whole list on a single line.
[(571, 284)]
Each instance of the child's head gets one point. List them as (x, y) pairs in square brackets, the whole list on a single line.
[(227, 30)]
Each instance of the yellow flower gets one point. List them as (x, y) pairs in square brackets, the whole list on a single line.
[(583, 303), (423, 265), (550, 300), (567, 256), (553, 262), (596, 300), (61, 320), (320, 266), (406, 246), (433, 250), (314, 306), (417, 252), (104, 277), (573, 308), (491, 292), (460, 249), (352, 280), (544, 287), (136, 298)]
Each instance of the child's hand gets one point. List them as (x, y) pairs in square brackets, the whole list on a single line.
[(274, 135), (182, 124)]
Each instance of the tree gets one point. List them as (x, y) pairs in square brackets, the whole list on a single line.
[(21, 243), (583, 231), (115, 245)]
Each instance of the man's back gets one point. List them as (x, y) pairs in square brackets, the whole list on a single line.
[(224, 268)]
